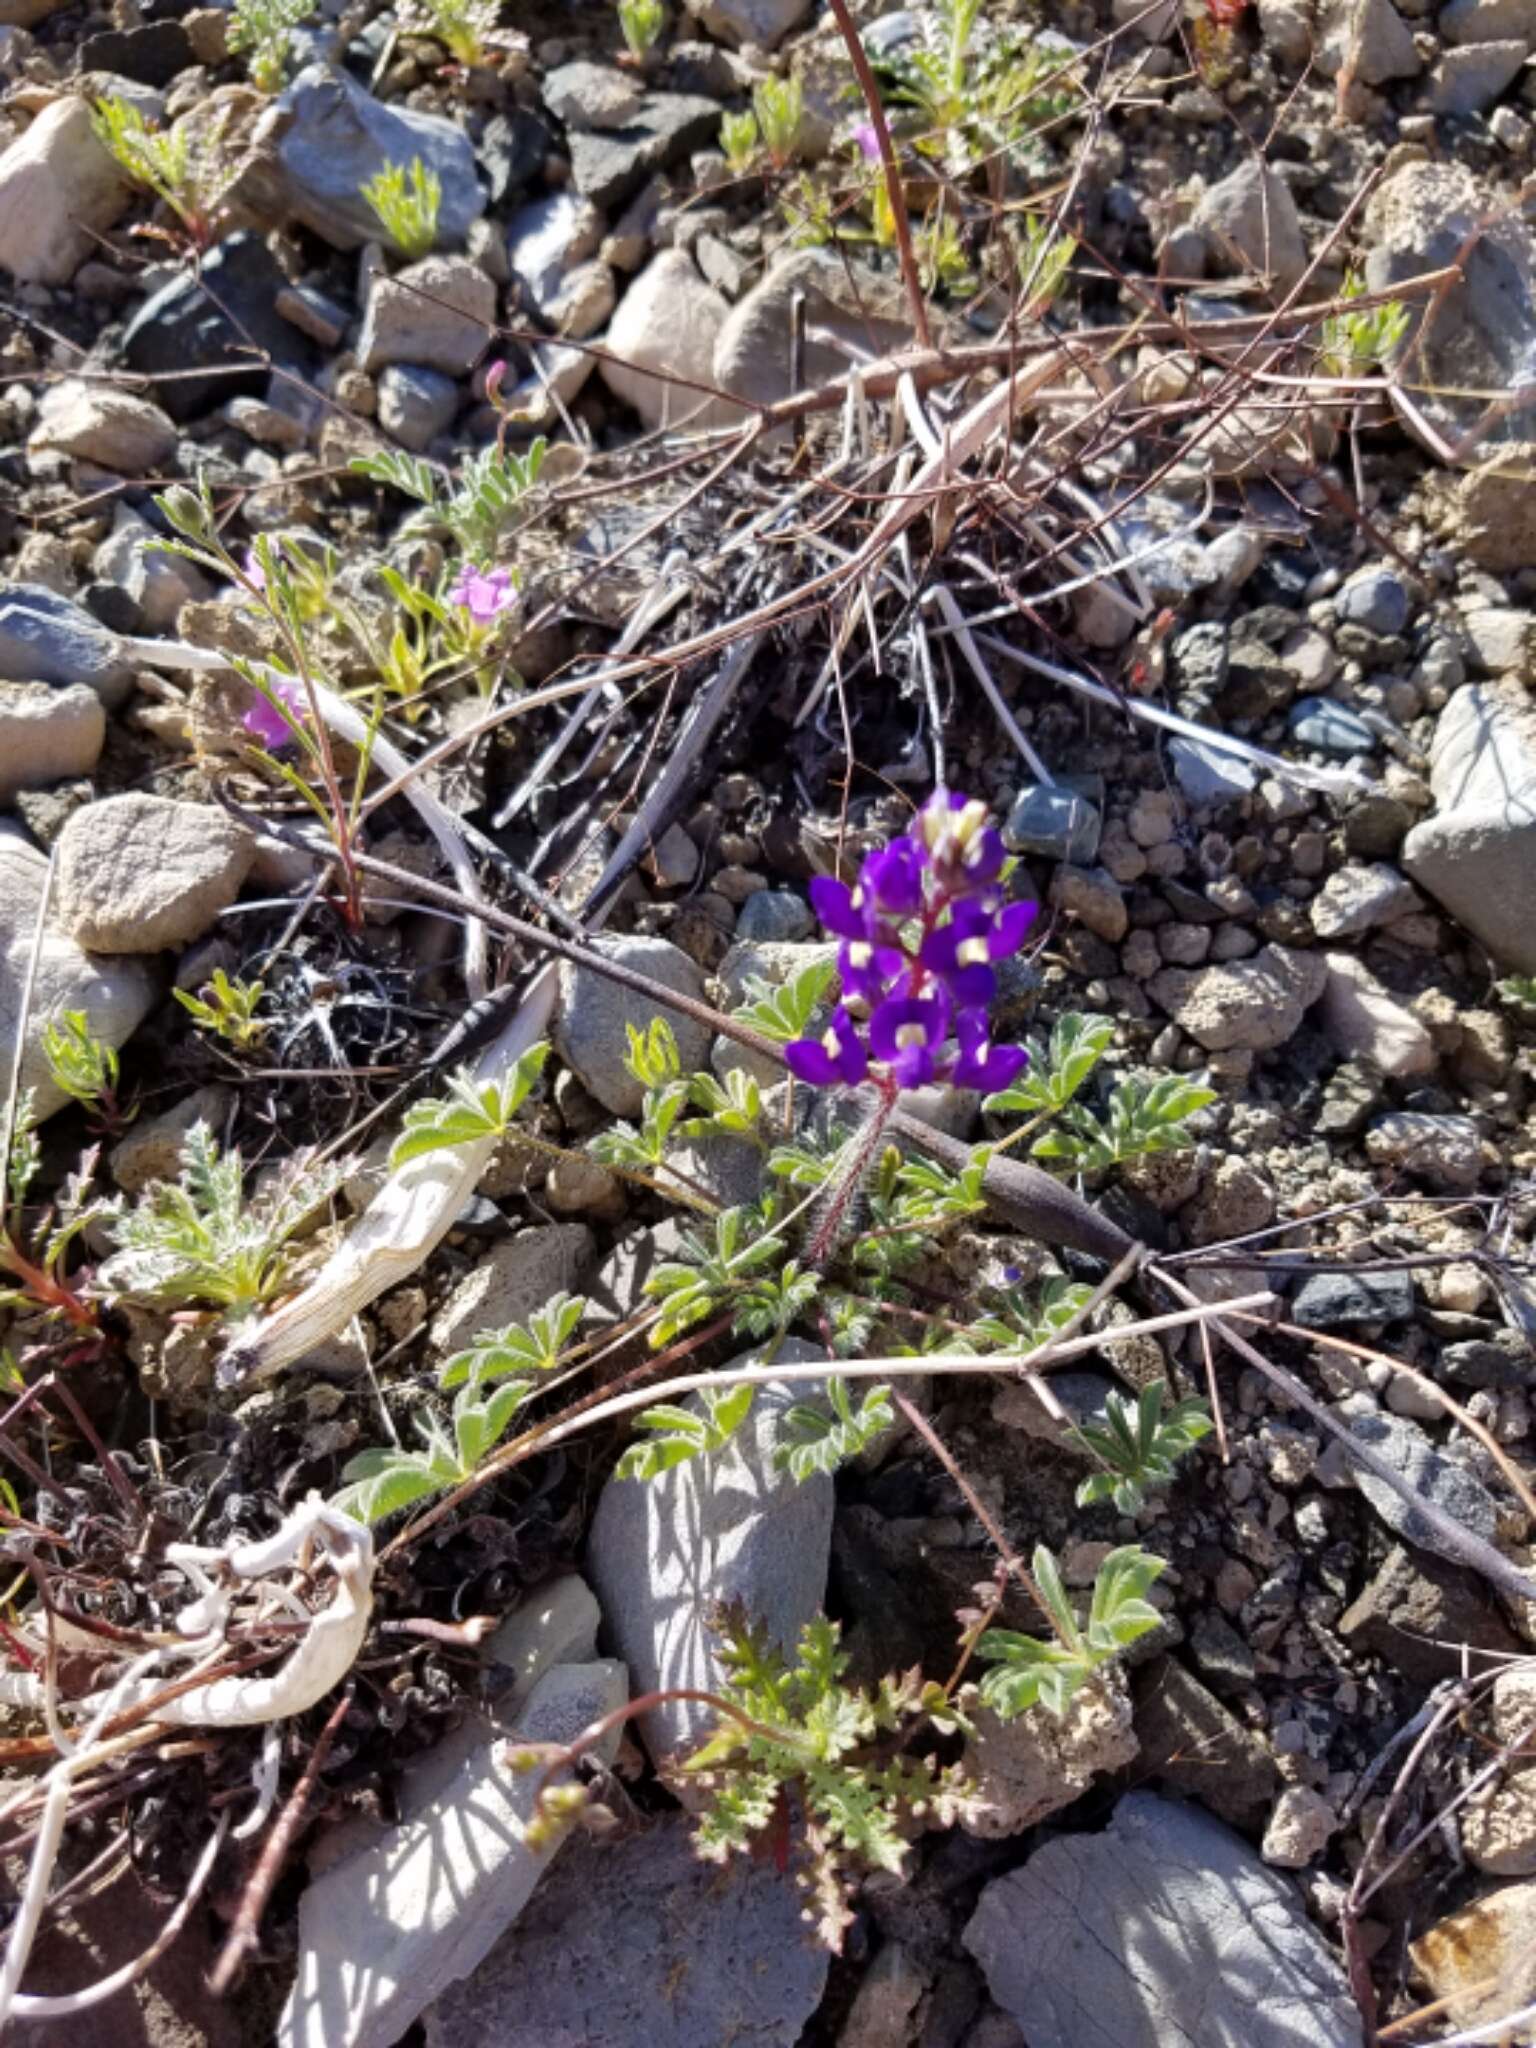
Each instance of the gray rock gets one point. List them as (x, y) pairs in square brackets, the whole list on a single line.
[(416, 405), (1082, 1395), (438, 314), (664, 1552), (1488, 21), (340, 138), (752, 354), (1417, 1612), (1330, 728), (514, 1279), (1374, 39), (557, 373), (184, 325), (1444, 1151), (97, 424), (1478, 853), (590, 1030), (764, 23), (139, 873), (1197, 1747), (587, 95), (45, 638), (1500, 639), (546, 240), (1345, 1301), (59, 191), (1055, 822), (47, 734), (1358, 899), (1418, 219), (1210, 775), (387, 1930), (1448, 1485), (1467, 80), (1363, 1021), (774, 916), (1163, 1931), (609, 167), (637, 1940), (1247, 1005), (1376, 598), (1095, 898), (668, 322), (115, 994), (159, 583), (152, 1147), (1250, 223)]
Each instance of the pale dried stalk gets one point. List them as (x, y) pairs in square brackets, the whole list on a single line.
[(404, 1223)]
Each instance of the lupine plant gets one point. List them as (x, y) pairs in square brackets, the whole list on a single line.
[(921, 933)]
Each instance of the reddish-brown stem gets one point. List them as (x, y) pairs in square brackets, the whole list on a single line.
[(829, 1227), (893, 186)]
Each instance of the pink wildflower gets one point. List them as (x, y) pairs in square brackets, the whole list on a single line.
[(266, 723), (483, 592), (867, 142), (255, 574), (493, 380)]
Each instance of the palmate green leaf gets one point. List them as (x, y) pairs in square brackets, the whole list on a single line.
[(1024, 1324), (1139, 1444), (382, 1482), (1031, 1670), (1143, 1118), (769, 1305), (479, 1425), (788, 1010), (653, 1058), (1058, 1069), (471, 1109), (731, 1108), (534, 1346), (818, 1439), (683, 1433)]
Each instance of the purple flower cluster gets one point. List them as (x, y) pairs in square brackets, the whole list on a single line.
[(269, 724), (920, 931)]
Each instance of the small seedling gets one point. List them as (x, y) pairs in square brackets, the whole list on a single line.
[(265, 28), (1353, 343), (1139, 1444), (405, 199), (463, 27), (190, 178), (1144, 1118), (1032, 1670), (479, 509), (641, 22), (471, 1111), (83, 1066), (738, 140), (197, 1242), (227, 1009), (779, 105)]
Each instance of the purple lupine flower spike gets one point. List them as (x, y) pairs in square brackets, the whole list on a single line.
[(921, 930)]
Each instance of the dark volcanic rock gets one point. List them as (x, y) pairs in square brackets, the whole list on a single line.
[(182, 327), (151, 56)]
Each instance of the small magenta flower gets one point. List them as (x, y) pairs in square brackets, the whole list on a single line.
[(867, 142), (483, 592), (493, 381), (266, 723), (256, 576), (920, 930)]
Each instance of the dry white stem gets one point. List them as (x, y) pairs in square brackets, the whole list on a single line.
[(403, 1224)]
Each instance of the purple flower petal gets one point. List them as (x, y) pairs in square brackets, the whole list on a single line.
[(482, 592), (907, 1024), (981, 1063), (265, 722), (869, 971), (867, 142), (1010, 928), (833, 903), (985, 856), (892, 877), (838, 1056)]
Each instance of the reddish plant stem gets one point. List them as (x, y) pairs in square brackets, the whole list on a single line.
[(893, 185)]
